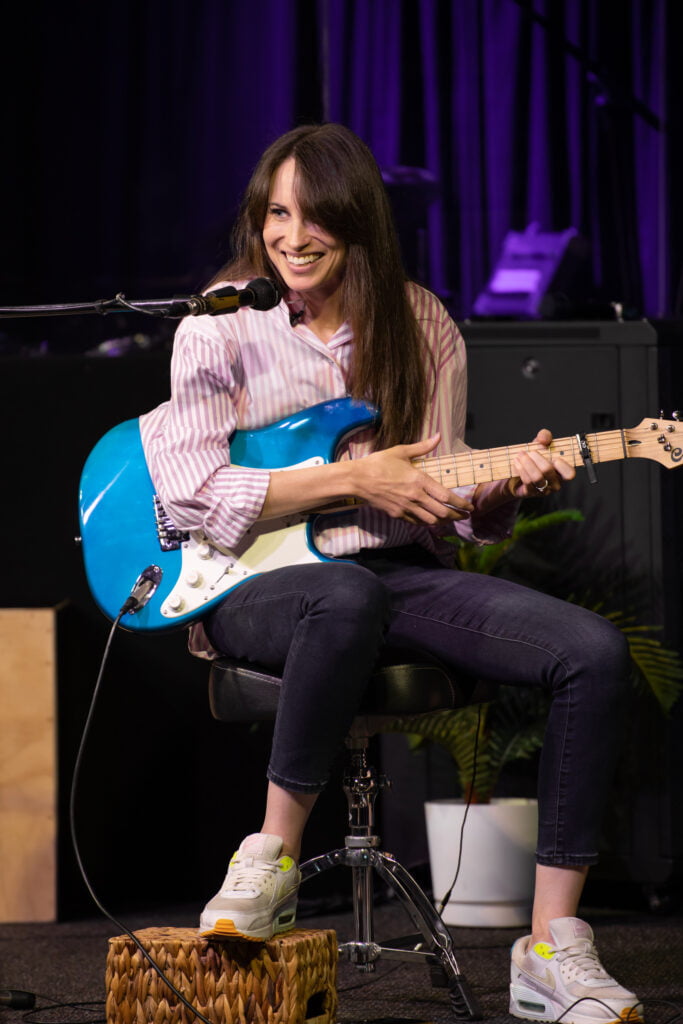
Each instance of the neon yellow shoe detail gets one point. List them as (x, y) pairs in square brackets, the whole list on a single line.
[(565, 981)]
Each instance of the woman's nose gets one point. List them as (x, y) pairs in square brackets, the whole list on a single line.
[(298, 233)]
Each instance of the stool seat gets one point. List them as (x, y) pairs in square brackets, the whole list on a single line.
[(402, 684)]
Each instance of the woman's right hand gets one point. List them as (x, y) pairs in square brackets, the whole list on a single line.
[(389, 480)]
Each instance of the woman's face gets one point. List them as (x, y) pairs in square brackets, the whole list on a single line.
[(309, 260)]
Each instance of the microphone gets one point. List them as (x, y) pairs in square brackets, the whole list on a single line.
[(261, 294)]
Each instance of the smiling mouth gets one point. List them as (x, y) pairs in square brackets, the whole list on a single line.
[(303, 261)]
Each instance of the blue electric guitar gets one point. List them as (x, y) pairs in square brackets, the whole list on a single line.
[(127, 536)]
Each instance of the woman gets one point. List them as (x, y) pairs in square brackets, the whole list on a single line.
[(316, 218)]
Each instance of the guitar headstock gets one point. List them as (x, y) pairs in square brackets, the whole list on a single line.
[(658, 439)]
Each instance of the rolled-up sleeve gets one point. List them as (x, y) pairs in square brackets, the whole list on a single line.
[(186, 443)]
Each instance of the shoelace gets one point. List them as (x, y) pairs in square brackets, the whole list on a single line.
[(582, 961), (241, 873)]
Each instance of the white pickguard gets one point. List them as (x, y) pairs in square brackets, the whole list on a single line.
[(208, 572)]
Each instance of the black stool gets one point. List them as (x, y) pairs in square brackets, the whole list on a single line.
[(402, 685)]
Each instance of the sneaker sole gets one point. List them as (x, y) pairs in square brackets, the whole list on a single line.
[(225, 928), (527, 1004)]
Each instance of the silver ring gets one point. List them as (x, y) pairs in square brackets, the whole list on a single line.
[(544, 488)]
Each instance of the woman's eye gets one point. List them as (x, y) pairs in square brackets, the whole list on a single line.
[(277, 211)]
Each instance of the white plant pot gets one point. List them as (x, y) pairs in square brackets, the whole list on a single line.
[(496, 881)]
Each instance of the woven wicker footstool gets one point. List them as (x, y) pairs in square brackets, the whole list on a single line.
[(290, 980)]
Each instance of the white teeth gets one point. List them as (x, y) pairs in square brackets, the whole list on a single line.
[(300, 261)]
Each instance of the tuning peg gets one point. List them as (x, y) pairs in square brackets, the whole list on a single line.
[(676, 414)]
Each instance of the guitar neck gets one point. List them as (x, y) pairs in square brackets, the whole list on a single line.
[(484, 465), (658, 440)]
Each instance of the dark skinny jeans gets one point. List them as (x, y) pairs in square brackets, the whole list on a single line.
[(322, 627)]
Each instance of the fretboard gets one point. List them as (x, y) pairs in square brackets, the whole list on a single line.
[(483, 465)]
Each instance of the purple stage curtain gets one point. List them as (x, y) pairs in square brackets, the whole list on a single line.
[(131, 129), (551, 112)]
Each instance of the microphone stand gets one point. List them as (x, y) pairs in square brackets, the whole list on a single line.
[(175, 308)]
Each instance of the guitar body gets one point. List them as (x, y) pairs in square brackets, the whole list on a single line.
[(122, 529)]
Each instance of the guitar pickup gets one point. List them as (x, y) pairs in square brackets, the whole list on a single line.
[(169, 537)]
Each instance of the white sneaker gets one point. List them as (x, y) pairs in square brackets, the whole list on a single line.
[(258, 897), (565, 981)]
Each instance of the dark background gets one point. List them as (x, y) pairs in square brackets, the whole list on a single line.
[(129, 131)]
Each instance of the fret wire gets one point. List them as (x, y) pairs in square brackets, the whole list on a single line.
[(605, 444), (576, 455), (614, 443), (560, 445)]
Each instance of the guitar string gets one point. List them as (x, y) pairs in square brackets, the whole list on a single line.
[(460, 469), (500, 459)]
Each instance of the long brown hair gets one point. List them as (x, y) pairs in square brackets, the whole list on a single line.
[(339, 187)]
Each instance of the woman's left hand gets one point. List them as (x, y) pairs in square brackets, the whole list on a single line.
[(538, 472)]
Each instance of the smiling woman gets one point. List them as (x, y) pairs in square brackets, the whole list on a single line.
[(391, 366), (309, 259), (316, 217)]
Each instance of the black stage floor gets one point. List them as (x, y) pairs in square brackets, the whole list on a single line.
[(64, 962)]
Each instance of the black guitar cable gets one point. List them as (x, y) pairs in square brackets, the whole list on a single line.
[(442, 903), (444, 900), (142, 590)]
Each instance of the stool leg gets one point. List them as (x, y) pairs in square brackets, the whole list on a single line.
[(441, 954), (363, 894), (361, 853), (361, 784)]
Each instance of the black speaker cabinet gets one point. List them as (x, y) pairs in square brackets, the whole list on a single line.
[(583, 377), (576, 378)]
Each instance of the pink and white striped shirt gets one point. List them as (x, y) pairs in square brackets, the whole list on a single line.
[(249, 369)]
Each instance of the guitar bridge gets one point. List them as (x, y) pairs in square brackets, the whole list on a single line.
[(169, 537)]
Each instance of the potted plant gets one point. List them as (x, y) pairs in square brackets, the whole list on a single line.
[(494, 886)]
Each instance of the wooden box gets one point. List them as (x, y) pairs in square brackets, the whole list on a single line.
[(28, 774)]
